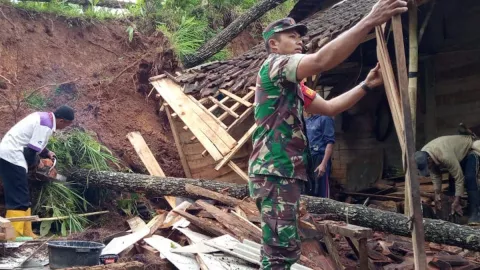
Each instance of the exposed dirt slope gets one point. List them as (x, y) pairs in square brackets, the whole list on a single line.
[(38, 50)]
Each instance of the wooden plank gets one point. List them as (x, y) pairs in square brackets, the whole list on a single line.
[(209, 226), (225, 108), (243, 230), (212, 123), (4, 223), (148, 159), (235, 97), (196, 125), (194, 119), (390, 85), (178, 144), (239, 171), (26, 218), (239, 145), (207, 112), (145, 154), (349, 230), (235, 106), (247, 207), (414, 200), (332, 251), (242, 118)]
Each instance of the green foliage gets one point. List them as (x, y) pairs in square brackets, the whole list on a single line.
[(68, 10), (58, 200), (129, 204), (188, 37), (36, 101), (80, 150)]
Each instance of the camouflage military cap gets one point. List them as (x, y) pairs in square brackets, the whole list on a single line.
[(282, 25)]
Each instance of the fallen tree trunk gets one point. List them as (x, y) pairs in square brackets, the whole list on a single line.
[(217, 43), (437, 231)]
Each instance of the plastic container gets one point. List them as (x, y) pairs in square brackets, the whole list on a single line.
[(62, 254)]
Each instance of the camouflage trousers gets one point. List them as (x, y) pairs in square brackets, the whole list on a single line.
[(277, 199)]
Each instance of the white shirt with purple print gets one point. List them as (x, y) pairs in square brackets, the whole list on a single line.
[(32, 131)]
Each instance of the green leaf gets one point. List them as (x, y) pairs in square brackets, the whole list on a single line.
[(45, 227), (64, 228)]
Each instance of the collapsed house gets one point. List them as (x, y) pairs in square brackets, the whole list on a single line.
[(367, 148)]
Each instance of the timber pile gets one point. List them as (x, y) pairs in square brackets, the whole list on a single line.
[(222, 232), (388, 194)]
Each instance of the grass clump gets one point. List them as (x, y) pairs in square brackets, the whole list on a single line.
[(80, 150), (36, 101), (58, 200), (75, 149)]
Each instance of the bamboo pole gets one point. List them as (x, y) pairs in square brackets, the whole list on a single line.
[(413, 60), (66, 217)]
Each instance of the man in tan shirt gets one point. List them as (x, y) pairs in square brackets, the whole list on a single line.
[(455, 154)]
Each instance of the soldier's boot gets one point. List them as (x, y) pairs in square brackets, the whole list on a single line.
[(474, 207), (27, 228), (18, 225)]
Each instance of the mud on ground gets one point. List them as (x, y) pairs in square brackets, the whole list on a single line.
[(98, 66)]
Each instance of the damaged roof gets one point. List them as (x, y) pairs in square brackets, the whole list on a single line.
[(239, 73)]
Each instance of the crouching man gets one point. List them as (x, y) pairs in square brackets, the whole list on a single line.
[(455, 154)]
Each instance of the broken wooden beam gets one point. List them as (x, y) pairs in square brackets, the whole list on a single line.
[(437, 231)]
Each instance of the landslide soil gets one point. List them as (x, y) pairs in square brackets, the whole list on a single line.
[(38, 52)]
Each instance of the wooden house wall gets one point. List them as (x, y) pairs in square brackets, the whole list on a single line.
[(203, 167)]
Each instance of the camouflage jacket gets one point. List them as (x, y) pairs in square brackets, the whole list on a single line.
[(279, 142)]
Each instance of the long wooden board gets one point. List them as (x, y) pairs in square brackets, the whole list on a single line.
[(173, 90), (240, 144), (219, 137), (191, 119), (148, 159), (178, 143)]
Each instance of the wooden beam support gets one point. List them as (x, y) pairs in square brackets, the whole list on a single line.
[(239, 171), (235, 97), (413, 62), (225, 108), (178, 144), (207, 112), (240, 144)]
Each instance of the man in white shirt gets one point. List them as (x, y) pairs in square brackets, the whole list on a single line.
[(19, 151)]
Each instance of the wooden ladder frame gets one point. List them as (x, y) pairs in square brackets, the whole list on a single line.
[(208, 128)]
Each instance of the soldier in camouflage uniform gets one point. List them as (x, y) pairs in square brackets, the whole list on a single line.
[(277, 165)]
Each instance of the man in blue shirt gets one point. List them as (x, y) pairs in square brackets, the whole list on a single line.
[(321, 137)]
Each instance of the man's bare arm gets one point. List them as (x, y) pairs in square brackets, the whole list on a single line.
[(343, 46), (345, 101), (336, 105)]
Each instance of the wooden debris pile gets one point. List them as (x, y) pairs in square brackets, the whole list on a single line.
[(389, 194), (221, 232)]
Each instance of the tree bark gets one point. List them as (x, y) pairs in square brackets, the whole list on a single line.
[(101, 3), (437, 231), (217, 43)]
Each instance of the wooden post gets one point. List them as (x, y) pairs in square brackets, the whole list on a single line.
[(413, 61), (409, 146)]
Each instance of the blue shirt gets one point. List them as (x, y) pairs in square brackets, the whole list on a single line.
[(320, 133)]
